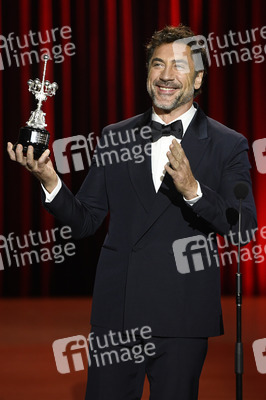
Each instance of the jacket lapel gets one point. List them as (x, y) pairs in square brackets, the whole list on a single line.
[(196, 139), (140, 173), (194, 144)]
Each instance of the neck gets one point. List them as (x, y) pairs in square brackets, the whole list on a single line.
[(169, 116)]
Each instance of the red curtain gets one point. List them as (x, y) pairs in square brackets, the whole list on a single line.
[(101, 75)]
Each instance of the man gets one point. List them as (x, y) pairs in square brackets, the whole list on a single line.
[(178, 191)]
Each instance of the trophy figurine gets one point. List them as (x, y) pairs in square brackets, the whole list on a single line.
[(35, 133)]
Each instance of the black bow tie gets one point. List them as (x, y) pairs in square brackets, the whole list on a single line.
[(159, 130)]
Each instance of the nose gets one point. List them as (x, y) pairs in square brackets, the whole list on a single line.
[(167, 74)]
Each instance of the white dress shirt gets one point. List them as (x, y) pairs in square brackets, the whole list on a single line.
[(161, 147), (158, 157)]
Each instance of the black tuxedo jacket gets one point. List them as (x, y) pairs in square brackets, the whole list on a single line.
[(137, 281)]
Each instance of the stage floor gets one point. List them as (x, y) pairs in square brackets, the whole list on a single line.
[(28, 371)]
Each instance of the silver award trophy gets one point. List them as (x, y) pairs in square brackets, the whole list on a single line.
[(35, 133)]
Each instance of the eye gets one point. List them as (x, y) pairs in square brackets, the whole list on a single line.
[(180, 66), (183, 67), (157, 64)]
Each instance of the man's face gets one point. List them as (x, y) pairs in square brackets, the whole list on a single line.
[(172, 77)]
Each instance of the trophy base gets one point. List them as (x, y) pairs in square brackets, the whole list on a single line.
[(36, 137)]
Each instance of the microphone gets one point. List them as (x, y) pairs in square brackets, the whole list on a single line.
[(241, 190)]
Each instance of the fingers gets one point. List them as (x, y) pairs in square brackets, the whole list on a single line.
[(176, 155), (27, 161), (11, 152), (178, 162), (44, 157), (19, 155), (36, 165), (30, 162), (172, 160), (180, 171), (177, 150), (169, 170), (16, 155)]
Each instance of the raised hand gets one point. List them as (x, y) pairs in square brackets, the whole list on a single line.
[(42, 168), (180, 171)]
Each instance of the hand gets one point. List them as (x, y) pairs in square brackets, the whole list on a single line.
[(180, 171), (42, 168)]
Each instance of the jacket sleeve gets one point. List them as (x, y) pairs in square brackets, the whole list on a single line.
[(220, 207), (85, 212)]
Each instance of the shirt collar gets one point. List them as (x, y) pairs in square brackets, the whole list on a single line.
[(186, 118)]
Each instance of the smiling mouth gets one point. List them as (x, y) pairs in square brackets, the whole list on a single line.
[(168, 90)]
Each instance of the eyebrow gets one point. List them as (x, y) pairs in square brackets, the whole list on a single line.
[(173, 61), (156, 59)]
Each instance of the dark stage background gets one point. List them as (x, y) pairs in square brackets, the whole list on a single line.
[(102, 79)]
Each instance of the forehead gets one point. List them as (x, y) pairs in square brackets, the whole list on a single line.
[(174, 50)]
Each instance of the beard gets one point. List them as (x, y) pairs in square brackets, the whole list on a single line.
[(180, 99)]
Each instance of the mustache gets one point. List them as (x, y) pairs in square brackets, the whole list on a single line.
[(168, 84)]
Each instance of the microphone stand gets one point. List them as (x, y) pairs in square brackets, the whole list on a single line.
[(239, 345)]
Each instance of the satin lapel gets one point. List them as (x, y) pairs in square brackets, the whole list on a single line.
[(196, 140), (140, 173), (194, 144)]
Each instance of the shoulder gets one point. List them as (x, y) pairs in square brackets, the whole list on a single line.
[(226, 137), (125, 134), (137, 120), (216, 128), (220, 133)]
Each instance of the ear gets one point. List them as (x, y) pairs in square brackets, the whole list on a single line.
[(198, 80)]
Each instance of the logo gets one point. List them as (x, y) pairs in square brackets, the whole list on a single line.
[(22, 51), (71, 354), (4, 245), (28, 249), (74, 148), (259, 150), (259, 350), (112, 148), (193, 254), (196, 44)]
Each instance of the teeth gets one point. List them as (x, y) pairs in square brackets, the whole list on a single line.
[(166, 89)]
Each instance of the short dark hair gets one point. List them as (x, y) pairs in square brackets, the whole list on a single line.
[(170, 34)]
